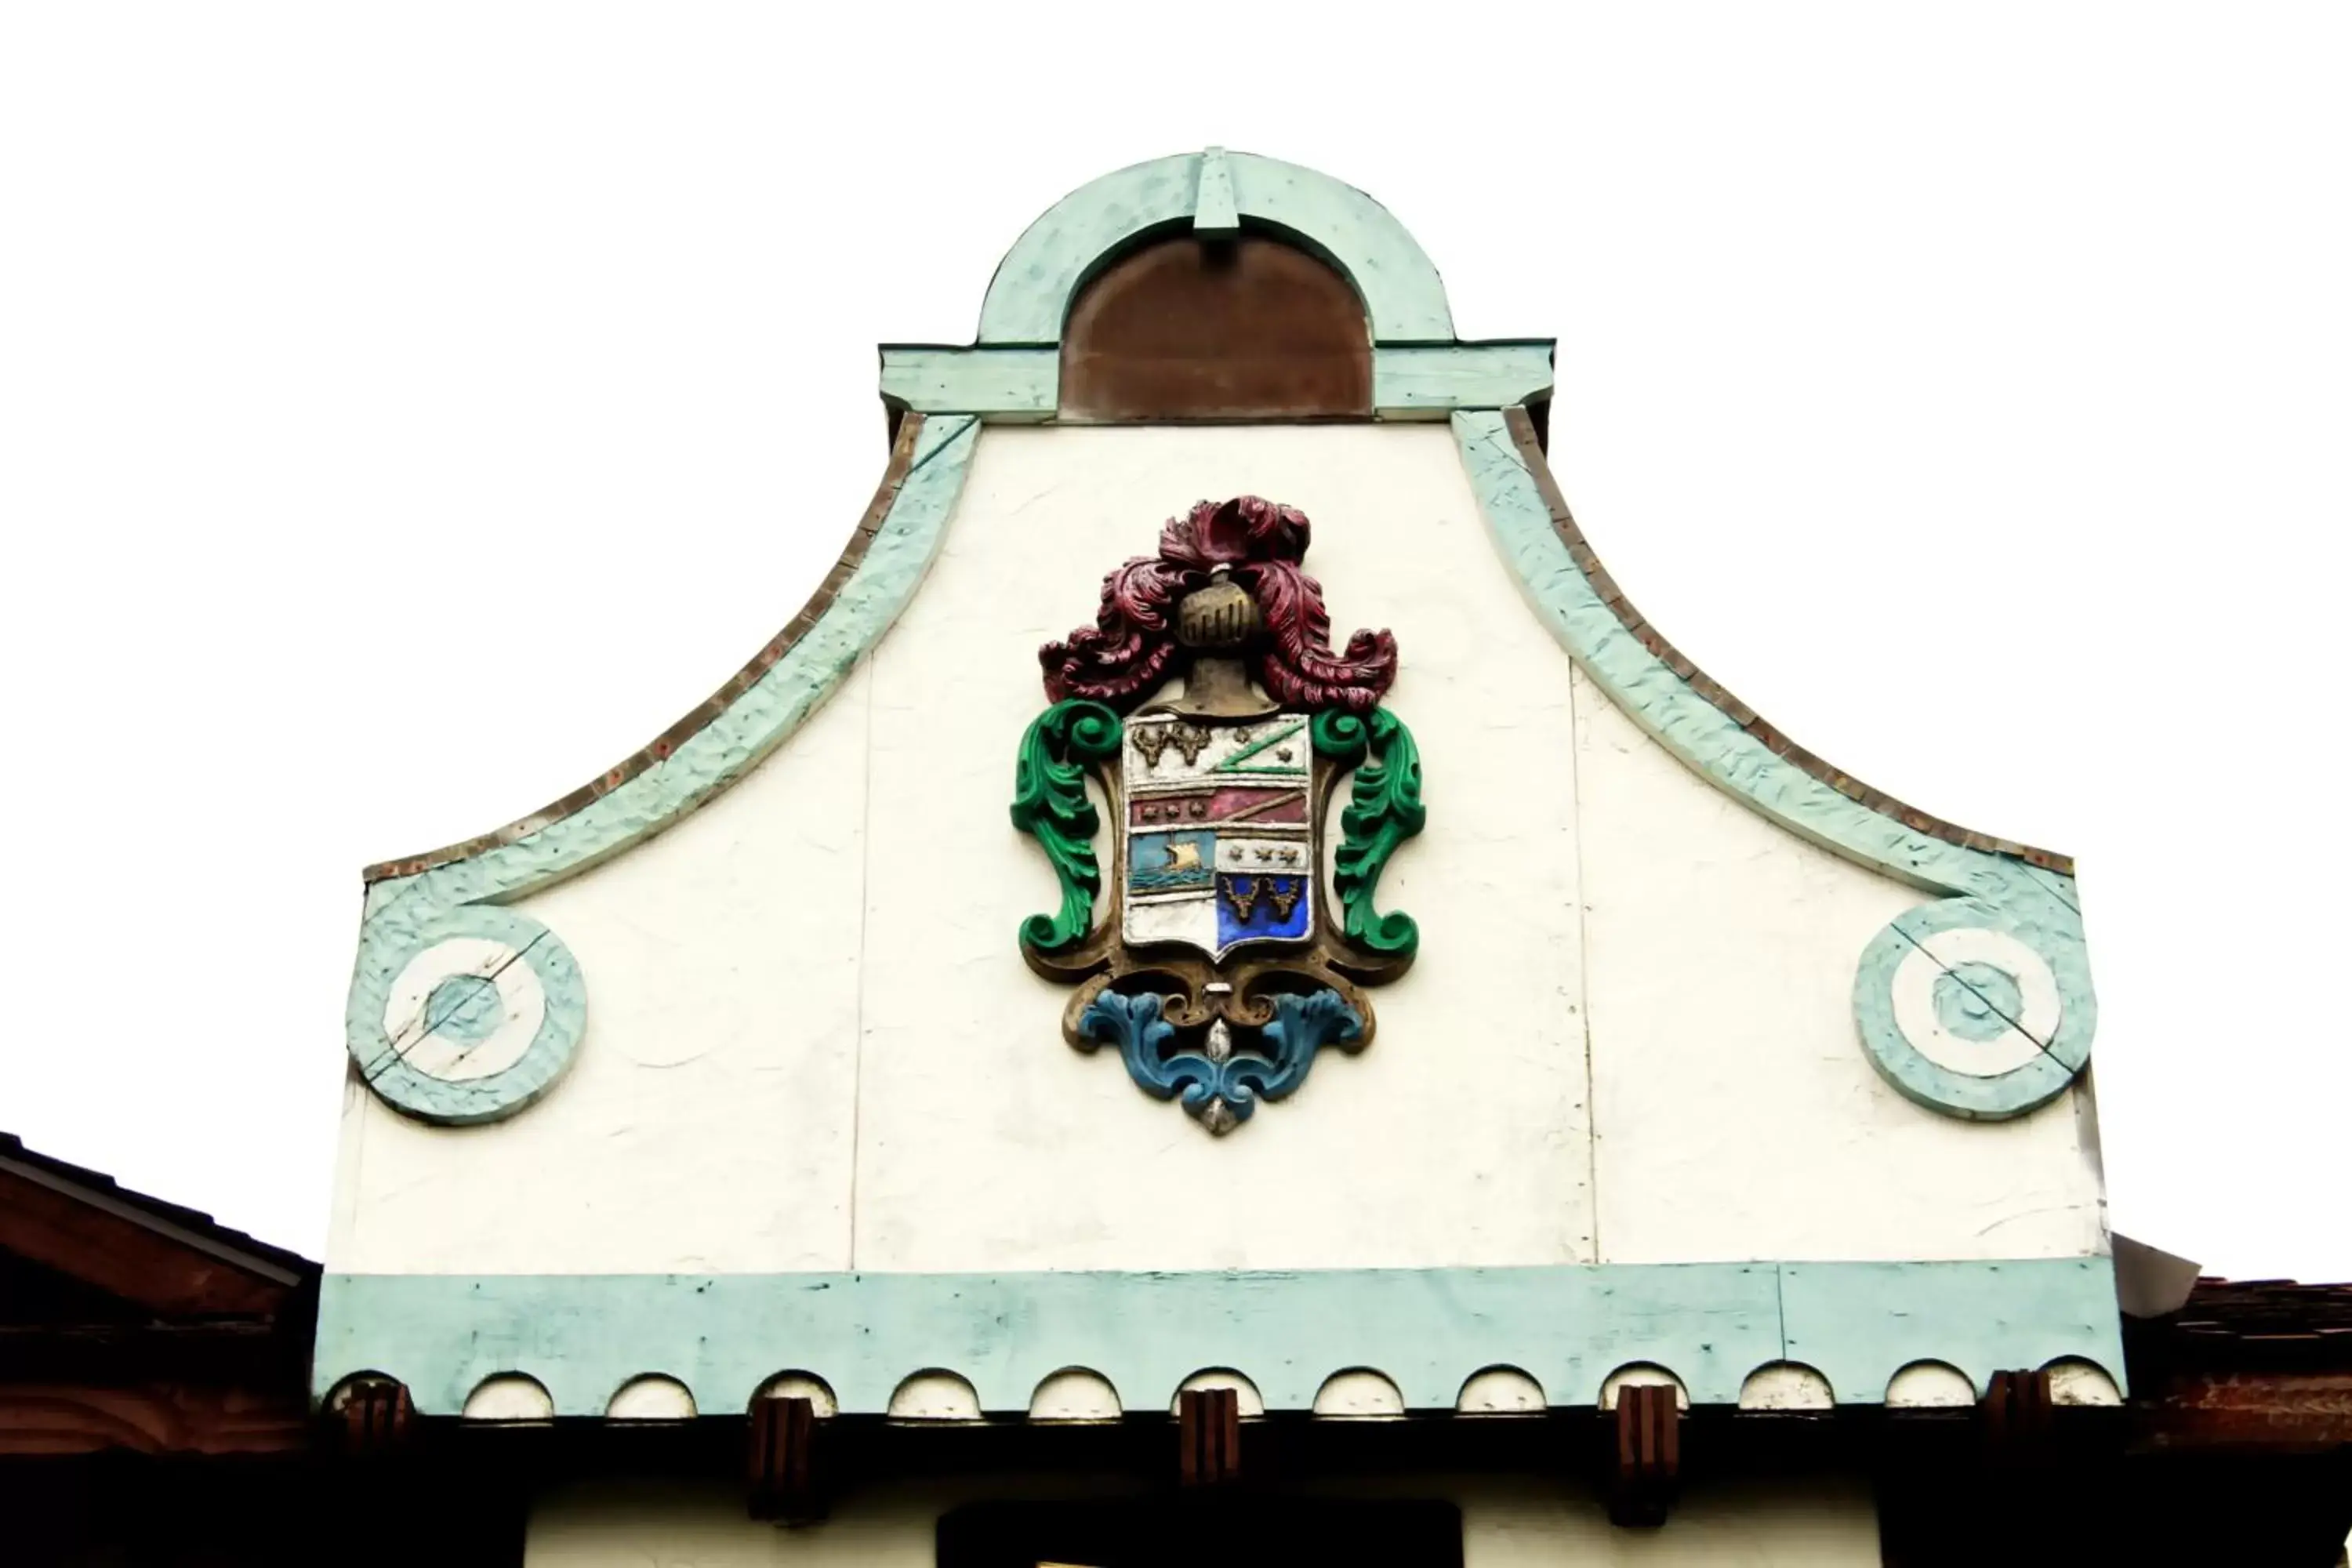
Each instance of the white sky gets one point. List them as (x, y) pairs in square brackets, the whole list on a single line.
[(405, 412)]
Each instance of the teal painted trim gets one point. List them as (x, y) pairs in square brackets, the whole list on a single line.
[(1858, 1324), (1708, 740), (1403, 295), (1999, 892), (1029, 297), (1001, 384), (407, 915), (1428, 380), (1568, 1327), (1213, 213), (1414, 381)]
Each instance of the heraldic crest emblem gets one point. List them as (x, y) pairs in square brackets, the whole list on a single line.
[(1217, 719)]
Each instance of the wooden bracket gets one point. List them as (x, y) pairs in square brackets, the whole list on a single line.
[(372, 1417), (2019, 1427), (782, 1461), (1209, 1436), (1645, 1468)]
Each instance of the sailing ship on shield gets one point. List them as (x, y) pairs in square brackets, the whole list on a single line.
[(1216, 719)]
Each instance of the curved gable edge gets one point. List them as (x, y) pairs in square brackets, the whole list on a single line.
[(2003, 904), (423, 924)]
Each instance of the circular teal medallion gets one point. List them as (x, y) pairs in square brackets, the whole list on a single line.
[(1978, 1002), (465, 1008), (438, 1039), (1973, 1014)]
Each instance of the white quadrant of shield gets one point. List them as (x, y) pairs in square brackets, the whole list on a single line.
[(1188, 918)]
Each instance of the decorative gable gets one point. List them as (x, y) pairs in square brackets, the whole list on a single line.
[(754, 1057)]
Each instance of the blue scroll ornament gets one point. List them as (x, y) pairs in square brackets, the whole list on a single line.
[(1220, 1090)]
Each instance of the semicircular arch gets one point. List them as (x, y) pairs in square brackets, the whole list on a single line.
[(1216, 192)]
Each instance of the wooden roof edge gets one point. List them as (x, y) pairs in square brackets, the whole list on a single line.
[(170, 1224)]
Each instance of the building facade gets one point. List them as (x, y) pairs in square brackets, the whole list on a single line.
[(1079, 1054)]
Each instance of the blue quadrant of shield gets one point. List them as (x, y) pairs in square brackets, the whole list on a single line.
[(1256, 905)]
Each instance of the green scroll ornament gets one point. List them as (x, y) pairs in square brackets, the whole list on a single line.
[(1383, 810), (1050, 805)]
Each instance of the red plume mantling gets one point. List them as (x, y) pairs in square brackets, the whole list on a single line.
[(1126, 653), (1300, 669), (1129, 650)]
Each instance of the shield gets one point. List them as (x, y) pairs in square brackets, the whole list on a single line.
[(1219, 848)]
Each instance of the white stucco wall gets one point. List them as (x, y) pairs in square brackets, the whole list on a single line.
[(983, 1141), (812, 1043), (707, 1121), (1736, 1114), (1505, 1523)]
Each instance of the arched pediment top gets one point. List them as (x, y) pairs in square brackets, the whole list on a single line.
[(1214, 192)]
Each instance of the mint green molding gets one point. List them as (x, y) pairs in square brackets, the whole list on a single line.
[(1428, 380), (1022, 385), (1012, 374), (407, 915), (1030, 296), (1985, 890), (1214, 211), (1003, 385), (1711, 1324)]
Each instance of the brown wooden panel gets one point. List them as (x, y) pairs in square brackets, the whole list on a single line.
[(2251, 1412), (1191, 329), (376, 1419), (158, 1418), (1208, 1437), (1645, 1469), (781, 1455), (125, 1258)]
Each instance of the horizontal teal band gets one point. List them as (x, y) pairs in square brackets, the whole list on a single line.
[(1002, 383), (1568, 1327), (1409, 381), (1436, 379)]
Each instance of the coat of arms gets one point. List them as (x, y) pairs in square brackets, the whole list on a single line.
[(1218, 720)]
